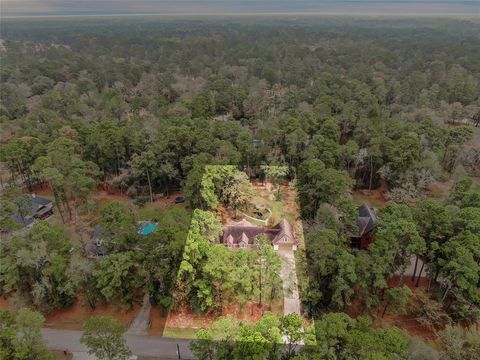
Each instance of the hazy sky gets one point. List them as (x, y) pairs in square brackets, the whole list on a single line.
[(112, 7)]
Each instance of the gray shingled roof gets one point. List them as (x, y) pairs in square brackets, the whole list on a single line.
[(366, 219)]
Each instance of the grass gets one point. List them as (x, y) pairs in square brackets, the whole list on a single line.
[(372, 201), (185, 333), (150, 211), (278, 209)]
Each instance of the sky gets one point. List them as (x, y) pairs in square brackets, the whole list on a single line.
[(126, 7)]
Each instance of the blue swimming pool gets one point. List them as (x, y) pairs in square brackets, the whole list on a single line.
[(147, 228)]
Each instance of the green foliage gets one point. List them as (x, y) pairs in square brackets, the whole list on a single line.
[(20, 337), (317, 184), (342, 337), (103, 336), (397, 298), (460, 343), (118, 278), (396, 241), (37, 266), (331, 271), (260, 340), (119, 227)]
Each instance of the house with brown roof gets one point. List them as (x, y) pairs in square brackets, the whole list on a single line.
[(243, 234)]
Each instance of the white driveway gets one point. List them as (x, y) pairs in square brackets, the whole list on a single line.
[(288, 274)]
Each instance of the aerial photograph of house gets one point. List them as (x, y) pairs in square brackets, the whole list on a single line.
[(239, 180)]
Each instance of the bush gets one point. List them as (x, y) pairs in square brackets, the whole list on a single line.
[(140, 201)]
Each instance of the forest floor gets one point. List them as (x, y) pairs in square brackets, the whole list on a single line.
[(375, 199), (185, 323), (407, 322), (73, 317)]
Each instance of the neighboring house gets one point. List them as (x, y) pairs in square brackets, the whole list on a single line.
[(363, 236), (242, 235), (39, 208)]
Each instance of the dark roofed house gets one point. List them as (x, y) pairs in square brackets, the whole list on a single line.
[(39, 208), (242, 235), (363, 236)]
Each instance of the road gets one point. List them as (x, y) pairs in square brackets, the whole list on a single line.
[(140, 345)]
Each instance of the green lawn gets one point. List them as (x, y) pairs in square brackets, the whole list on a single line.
[(180, 333), (277, 207)]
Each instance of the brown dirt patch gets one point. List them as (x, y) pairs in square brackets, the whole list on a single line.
[(73, 317), (407, 323), (158, 318), (441, 187), (4, 303), (251, 312)]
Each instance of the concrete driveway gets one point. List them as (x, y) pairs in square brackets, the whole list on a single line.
[(141, 323), (288, 274)]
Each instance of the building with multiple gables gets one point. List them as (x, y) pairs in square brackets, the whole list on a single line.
[(243, 235)]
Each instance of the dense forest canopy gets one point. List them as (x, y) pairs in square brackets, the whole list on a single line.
[(243, 92), (141, 106)]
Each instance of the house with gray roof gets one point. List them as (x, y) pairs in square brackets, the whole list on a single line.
[(37, 208), (362, 236)]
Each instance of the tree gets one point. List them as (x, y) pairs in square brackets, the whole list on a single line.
[(118, 277), (460, 343), (103, 335), (434, 224), (8, 209), (291, 328), (36, 266), (269, 266), (275, 173), (341, 337), (237, 191), (119, 227), (20, 336), (397, 297), (145, 164), (204, 230), (317, 184), (15, 203), (476, 119), (428, 312), (331, 270), (459, 263)]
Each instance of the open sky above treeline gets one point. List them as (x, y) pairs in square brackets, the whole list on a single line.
[(152, 7)]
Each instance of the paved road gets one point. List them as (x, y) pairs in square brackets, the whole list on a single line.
[(140, 345)]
